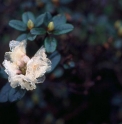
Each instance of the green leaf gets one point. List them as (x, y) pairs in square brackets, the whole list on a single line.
[(55, 59), (39, 20), (63, 29), (4, 92), (38, 31), (31, 37), (8, 93), (22, 37), (28, 15), (19, 25), (47, 18), (50, 44), (16, 94), (59, 20)]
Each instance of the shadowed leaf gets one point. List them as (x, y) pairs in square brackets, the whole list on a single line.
[(16, 94), (62, 29), (19, 25), (50, 44)]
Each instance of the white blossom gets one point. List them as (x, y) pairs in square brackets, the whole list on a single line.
[(23, 71)]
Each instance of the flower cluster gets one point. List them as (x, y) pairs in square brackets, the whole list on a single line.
[(22, 70)]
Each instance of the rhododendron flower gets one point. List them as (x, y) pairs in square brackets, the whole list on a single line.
[(22, 70)]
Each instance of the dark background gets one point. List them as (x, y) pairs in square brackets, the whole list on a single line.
[(88, 91)]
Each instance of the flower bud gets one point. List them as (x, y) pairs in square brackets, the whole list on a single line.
[(30, 24), (50, 26)]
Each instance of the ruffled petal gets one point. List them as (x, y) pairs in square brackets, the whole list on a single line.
[(22, 81), (10, 68), (18, 50), (38, 65), (13, 44)]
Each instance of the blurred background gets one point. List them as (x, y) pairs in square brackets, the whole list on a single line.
[(86, 85)]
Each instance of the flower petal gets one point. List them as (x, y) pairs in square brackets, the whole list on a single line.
[(21, 80), (13, 44), (40, 79), (17, 60), (18, 50), (38, 65), (10, 68)]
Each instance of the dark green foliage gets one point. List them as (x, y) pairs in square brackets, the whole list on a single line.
[(28, 15), (38, 31), (21, 37), (19, 25), (4, 92), (39, 20), (9, 94), (55, 59), (47, 18), (59, 20), (3, 73), (62, 29), (31, 37), (16, 94), (85, 83), (44, 25), (50, 44)]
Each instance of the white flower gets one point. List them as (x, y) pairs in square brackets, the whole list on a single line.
[(22, 70)]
